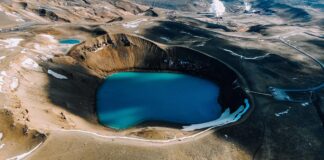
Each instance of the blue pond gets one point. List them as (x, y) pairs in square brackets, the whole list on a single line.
[(129, 98), (70, 41)]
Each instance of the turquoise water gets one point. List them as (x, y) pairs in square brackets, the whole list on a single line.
[(129, 98), (70, 41)]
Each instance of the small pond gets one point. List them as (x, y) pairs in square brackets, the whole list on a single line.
[(69, 41)]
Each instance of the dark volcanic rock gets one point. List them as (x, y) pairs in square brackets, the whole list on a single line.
[(150, 12)]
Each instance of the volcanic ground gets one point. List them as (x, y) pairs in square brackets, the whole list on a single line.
[(266, 56)]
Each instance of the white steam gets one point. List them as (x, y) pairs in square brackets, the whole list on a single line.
[(248, 6), (217, 8)]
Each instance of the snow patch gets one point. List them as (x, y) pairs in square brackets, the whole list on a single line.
[(16, 16), (29, 63), (2, 145), (184, 62), (282, 113), (4, 73), (201, 44), (1, 90), (99, 49), (305, 104), (279, 94), (50, 38), (42, 48), (46, 50), (14, 83), (218, 8), (134, 24), (247, 58), (2, 57), (24, 155), (56, 75), (2, 81), (11, 42), (224, 119), (165, 38), (24, 51)]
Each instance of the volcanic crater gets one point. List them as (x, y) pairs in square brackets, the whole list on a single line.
[(90, 62)]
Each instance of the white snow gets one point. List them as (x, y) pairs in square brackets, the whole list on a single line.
[(46, 50), (56, 75), (280, 94), (50, 38), (99, 49), (29, 63), (24, 155), (282, 113), (305, 104), (247, 6), (165, 38), (175, 139), (2, 145), (1, 90), (171, 62), (218, 8), (24, 51), (42, 48), (224, 119), (14, 83), (16, 16), (184, 62), (134, 24), (2, 81), (2, 57), (38, 47), (4, 73), (11, 42), (247, 58), (201, 44)]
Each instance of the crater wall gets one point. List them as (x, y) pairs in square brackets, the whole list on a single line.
[(111, 53)]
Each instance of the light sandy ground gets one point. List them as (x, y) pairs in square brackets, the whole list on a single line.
[(35, 127)]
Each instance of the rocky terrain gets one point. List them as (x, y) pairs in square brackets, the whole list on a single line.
[(270, 52)]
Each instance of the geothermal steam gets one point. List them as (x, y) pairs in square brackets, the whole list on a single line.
[(248, 6), (217, 8)]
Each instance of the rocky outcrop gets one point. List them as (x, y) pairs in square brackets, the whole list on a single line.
[(16, 138)]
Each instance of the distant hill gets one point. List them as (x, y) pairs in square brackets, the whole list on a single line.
[(292, 10)]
